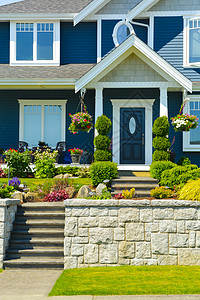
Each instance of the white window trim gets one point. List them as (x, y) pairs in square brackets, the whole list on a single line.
[(133, 103), (187, 147), (23, 102), (123, 22), (56, 45), (186, 44)]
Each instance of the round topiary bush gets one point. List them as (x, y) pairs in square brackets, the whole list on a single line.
[(103, 125), (102, 142), (102, 155), (161, 143), (161, 126), (161, 155)]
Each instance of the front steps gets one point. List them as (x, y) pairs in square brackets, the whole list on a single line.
[(37, 238), (142, 185)]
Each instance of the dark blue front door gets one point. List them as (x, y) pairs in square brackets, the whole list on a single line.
[(132, 135)]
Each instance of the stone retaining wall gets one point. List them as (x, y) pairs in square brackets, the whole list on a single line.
[(8, 209), (131, 232)]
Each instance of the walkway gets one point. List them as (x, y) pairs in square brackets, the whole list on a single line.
[(36, 284)]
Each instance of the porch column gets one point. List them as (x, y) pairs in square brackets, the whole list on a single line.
[(163, 102), (98, 104)]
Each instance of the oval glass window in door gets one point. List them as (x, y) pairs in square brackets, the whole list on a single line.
[(132, 125)]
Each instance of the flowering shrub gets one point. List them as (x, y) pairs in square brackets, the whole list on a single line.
[(17, 162), (6, 191), (44, 163), (15, 182), (128, 194), (161, 192), (185, 122), (56, 196), (118, 196), (76, 151), (80, 121)]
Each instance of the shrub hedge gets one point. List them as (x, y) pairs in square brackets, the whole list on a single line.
[(100, 171), (158, 167)]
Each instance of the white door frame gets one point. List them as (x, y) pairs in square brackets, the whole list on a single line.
[(147, 104)]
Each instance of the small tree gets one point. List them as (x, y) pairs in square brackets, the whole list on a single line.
[(102, 141), (161, 142)]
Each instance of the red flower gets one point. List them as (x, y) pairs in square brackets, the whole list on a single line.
[(88, 126), (85, 120)]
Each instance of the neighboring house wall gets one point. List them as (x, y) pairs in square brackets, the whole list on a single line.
[(4, 42), (118, 7), (168, 42), (78, 43), (132, 69), (176, 5), (9, 115)]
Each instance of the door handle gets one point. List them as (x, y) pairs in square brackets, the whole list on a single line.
[(143, 139)]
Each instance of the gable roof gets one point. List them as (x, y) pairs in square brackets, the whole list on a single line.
[(143, 5), (156, 59), (44, 6)]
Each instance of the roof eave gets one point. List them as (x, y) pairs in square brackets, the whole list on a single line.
[(144, 5)]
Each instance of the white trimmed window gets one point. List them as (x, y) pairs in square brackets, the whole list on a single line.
[(191, 139), (35, 43), (192, 43), (121, 32), (42, 121)]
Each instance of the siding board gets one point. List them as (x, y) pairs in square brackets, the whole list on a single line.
[(4, 43)]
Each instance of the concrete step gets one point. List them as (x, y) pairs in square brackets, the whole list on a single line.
[(137, 186), (126, 179), (38, 224), (47, 242), (40, 215), (43, 206), (20, 234), (37, 263), (36, 252)]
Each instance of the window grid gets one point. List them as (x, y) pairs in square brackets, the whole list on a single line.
[(45, 27), (195, 105), (194, 24), (24, 27)]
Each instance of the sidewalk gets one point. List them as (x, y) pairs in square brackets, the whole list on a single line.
[(36, 285)]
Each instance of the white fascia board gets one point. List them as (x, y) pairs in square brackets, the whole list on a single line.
[(144, 5), (37, 82), (134, 41), (36, 17), (94, 6)]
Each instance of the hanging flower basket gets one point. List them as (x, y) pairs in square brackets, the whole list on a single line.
[(184, 122), (80, 121)]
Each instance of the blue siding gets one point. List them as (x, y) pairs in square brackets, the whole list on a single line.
[(174, 103), (4, 43), (168, 42), (78, 43), (9, 116), (107, 31)]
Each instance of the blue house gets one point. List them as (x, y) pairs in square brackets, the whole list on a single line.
[(137, 60)]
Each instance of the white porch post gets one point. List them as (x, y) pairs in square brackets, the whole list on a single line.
[(98, 104), (163, 102)]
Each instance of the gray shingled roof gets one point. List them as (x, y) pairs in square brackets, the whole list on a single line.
[(62, 72), (44, 6)]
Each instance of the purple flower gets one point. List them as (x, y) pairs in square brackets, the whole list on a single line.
[(14, 182)]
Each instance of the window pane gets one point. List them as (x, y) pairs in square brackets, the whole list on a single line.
[(52, 125), (195, 133), (32, 124), (44, 45), (24, 45), (122, 33), (194, 45)]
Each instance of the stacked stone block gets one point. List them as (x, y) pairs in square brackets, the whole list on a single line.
[(8, 209), (129, 232)]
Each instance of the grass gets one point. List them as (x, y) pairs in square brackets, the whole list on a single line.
[(129, 280), (1, 270)]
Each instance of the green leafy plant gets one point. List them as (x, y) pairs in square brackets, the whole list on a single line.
[(102, 142), (128, 194), (44, 163), (103, 125), (161, 142), (105, 195), (6, 191), (161, 193), (184, 161), (66, 170), (158, 167), (161, 155), (83, 173), (190, 191), (102, 155), (18, 163), (100, 171)]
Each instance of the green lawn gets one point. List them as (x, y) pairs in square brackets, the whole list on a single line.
[(1, 270), (129, 280)]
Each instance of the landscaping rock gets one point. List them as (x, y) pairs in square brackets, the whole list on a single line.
[(67, 175), (100, 188), (84, 192), (59, 176), (31, 197), (18, 195), (70, 191)]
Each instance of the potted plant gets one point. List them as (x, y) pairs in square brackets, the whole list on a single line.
[(81, 121), (41, 144), (76, 155)]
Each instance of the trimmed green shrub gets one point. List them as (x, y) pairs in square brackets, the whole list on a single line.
[(100, 171), (67, 169), (102, 155), (103, 125), (161, 143), (190, 191), (102, 142), (160, 155), (158, 167), (161, 126), (18, 163), (179, 175), (161, 193), (184, 161)]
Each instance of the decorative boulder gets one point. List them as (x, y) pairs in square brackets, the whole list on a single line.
[(100, 188), (70, 191), (32, 197), (18, 195), (84, 192), (67, 175), (59, 176)]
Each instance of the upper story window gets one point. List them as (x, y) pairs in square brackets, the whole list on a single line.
[(35, 43), (192, 43), (121, 32)]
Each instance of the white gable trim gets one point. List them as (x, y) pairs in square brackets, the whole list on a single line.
[(144, 5), (134, 41), (94, 6)]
